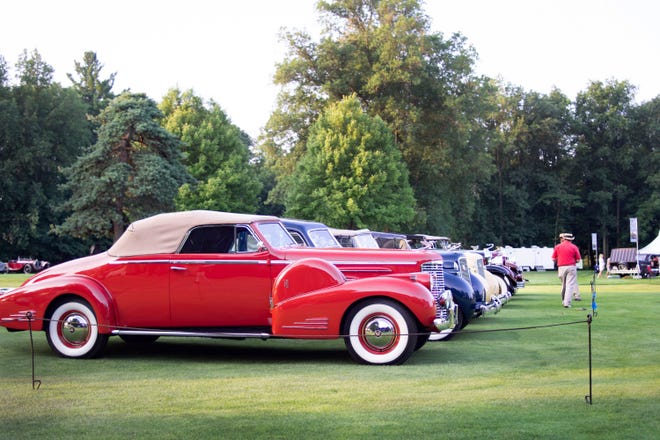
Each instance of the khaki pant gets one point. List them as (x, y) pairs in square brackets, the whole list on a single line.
[(569, 284)]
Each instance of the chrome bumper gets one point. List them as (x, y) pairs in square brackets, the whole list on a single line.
[(447, 310), (492, 307)]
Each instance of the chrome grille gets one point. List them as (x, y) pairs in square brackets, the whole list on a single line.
[(435, 270), (438, 275)]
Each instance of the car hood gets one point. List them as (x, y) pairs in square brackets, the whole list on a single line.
[(389, 256)]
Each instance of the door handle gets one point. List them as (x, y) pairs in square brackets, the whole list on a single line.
[(178, 268)]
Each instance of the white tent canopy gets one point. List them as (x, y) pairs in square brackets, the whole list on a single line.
[(652, 248)]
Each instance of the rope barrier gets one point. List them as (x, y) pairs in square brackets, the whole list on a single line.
[(30, 319), (36, 384)]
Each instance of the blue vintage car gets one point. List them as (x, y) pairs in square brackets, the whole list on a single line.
[(310, 234), (456, 262)]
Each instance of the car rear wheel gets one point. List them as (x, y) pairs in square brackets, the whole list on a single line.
[(380, 332), (73, 331)]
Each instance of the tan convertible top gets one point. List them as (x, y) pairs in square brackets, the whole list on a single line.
[(163, 233)]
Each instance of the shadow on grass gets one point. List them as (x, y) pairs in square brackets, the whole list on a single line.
[(213, 350)]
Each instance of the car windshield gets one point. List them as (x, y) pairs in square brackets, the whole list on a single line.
[(365, 241), (276, 235), (323, 238), (480, 267)]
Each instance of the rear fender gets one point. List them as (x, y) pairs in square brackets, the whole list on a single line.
[(40, 299)]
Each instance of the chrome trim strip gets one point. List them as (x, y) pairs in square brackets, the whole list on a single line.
[(351, 269), (353, 266), (192, 334), (141, 262), (354, 263), (310, 324), (305, 327), (190, 262), (219, 262)]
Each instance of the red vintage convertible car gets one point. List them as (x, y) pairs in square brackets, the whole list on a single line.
[(26, 265), (223, 275)]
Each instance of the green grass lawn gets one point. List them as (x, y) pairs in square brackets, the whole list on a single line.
[(522, 384)]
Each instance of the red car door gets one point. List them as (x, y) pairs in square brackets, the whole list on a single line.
[(220, 279)]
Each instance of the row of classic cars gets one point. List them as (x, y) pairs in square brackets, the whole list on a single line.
[(477, 288), (238, 276)]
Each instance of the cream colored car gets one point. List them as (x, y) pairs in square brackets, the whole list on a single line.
[(496, 289)]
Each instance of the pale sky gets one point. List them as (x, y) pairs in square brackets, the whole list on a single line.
[(226, 50)]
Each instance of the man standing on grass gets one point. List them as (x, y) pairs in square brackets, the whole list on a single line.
[(566, 255)]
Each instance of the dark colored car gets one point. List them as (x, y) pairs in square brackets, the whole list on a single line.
[(455, 262), (424, 241), (509, 277), (310, 234), (648, 266), (360, 238), (391, 240)]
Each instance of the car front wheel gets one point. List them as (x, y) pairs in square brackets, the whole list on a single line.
[(73, 331), (380, 332)]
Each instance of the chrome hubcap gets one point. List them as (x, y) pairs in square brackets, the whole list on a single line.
[(75, 329), (380, 333)]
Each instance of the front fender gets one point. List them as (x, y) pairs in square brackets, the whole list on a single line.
[(319, 313), (462, 293), (304, 276), (38, 298)]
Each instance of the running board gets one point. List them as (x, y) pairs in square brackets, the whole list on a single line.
[(181, 333)]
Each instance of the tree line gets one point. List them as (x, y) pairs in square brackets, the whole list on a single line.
[(379, 123)]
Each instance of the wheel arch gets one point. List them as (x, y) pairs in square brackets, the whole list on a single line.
[(362, 301), (462, 293), (90, 291)]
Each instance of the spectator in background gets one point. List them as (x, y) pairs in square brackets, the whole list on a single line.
[(601, 264), (566, 255)]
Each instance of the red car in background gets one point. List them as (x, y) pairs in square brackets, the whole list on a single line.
[(222, 275), (26, 265)]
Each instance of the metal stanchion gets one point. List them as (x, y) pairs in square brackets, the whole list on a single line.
[(36, 384)]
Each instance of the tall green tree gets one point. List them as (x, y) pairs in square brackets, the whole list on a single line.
[(33, 70), (605, 169), (134, 170), (216, 154), (418, 82), (646, 137), (95, 91), (351, 174), (4, 72), (528, 197), (42, 130)]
